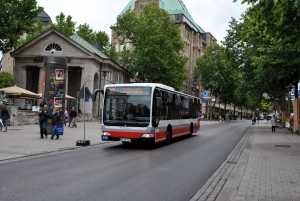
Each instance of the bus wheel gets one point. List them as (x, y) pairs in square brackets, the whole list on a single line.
[(191, 130), (168, 137)]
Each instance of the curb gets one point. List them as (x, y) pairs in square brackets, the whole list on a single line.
[(211, 189)]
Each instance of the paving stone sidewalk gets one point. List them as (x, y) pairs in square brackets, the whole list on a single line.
[(268, 168)]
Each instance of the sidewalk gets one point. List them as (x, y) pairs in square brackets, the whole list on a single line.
[(21, 141), (267, 168)]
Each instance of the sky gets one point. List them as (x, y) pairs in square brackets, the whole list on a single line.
[(211, 15)]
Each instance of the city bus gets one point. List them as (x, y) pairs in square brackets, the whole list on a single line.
[(147, 113)]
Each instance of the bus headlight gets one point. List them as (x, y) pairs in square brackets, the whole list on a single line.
[(147, 135), (106, 133)]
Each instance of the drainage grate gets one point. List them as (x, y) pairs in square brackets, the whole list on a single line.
[(282, 146), (231, 162)]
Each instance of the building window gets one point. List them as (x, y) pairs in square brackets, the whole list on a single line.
[(178, 18), (108, 77), (116, 77), (141, 6), (53, 47)]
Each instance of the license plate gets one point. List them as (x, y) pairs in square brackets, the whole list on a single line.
[(125, 140), (104, 137)]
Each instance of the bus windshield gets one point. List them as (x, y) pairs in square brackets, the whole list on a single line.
[(127, 106)]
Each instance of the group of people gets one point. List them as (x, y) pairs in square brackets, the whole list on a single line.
[(44, 115)]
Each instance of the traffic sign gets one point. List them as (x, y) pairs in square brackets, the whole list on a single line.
[(204, 94), (84, 93)]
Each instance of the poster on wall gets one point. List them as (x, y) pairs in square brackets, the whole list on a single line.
[(56, 94)]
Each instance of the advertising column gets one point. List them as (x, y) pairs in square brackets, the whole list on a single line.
[(54, 86)]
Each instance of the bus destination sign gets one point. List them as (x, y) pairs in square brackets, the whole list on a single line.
[(128, 90)]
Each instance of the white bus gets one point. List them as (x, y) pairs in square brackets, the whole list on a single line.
[(147, 112)]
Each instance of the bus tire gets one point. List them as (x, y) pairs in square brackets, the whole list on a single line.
[(168, 137), (191, 130)]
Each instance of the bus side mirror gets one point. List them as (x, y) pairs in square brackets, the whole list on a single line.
[(158, 102), (94, 96)]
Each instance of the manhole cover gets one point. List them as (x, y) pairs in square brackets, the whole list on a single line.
[(282, 146)]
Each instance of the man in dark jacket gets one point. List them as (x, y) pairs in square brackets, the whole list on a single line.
[(44, 115), (73, 115), (43, 103), (56, 122)]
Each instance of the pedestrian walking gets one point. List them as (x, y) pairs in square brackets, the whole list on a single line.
[(291, 121), (4, 116), (42, 103), (44, 115), (66, 114), (253, 120), (227, 118), (56, 122), (73, 115), (273, 123)]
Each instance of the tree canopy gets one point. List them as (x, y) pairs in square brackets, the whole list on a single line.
[(270, 30), (156, 55), (16, 18)]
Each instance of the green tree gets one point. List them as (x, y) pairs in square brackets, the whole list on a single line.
[(271, 29), (16, 17), (6, 79), (98, 38), (156, 55), (102, 39), (86, 32), (64, 24), (217, 73), (113, 55)]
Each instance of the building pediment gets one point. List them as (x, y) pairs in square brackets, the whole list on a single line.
[(53, 42)]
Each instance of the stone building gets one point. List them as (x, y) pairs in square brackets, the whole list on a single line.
[(83, 64), (195, 38)]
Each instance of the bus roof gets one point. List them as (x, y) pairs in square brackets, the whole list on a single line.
[(142, 84), (153, 85)]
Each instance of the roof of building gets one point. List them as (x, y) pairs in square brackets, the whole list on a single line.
[(88, 46), (172, 7), (44, 17)]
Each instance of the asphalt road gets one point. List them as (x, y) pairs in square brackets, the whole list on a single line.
[(116, 172)]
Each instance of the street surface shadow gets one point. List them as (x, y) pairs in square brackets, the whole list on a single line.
[(145, 146)]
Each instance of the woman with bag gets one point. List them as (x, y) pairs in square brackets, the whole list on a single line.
[(5, 116), (56, 121)]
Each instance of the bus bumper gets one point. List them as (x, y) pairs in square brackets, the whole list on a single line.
[(138, 140)]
